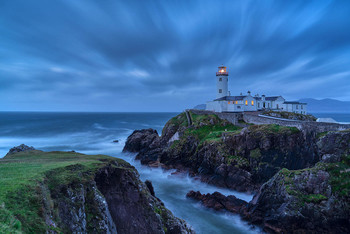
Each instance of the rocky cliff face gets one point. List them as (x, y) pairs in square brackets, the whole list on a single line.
[(225, 154), (116, 201), (301, 178), (315, 200), (70, 192)]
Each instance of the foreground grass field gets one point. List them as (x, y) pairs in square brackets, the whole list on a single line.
[(21, 176)]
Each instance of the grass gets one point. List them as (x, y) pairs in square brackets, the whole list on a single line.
[(274, 128), (21, 176), (197, 120), (212, 132)]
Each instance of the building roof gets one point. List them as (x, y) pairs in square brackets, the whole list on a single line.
[(230, 98), (273, 98), (295, 102)]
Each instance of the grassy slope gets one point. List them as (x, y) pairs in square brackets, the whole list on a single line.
[(21, 175)]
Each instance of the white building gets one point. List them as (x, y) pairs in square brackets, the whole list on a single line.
[(224, 102)]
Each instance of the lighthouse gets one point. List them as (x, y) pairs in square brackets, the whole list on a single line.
[(222, 82)]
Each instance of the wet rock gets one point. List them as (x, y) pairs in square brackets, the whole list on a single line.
[(150, 187), (218, 201), (141, 140), (132, 206)]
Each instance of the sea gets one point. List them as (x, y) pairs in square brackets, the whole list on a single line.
[(94, 133)]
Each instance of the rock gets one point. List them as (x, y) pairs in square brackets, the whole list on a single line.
[(140, 140), (304, 201), (242, 161), (116, 141), (133, 208), (217, 201), (330, 158), (20, 148), (150, 187), (335, 143)]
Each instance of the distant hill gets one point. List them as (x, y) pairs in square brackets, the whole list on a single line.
[(200, 107), (326, 105)]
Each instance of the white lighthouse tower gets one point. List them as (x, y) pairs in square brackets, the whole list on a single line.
[(222, 82)]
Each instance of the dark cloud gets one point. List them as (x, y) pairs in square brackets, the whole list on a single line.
[(162, 55)]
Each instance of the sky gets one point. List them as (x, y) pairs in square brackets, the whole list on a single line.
[(113, 55)]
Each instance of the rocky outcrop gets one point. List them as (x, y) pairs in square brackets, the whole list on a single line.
[(304, 174), (225, 154), (147, 143), (217, 201), (132, 206), (313, 200), (334, 144), (20, 148), (75, 193), (306, 201)]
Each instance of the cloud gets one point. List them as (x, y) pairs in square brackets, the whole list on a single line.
[(162, 55)]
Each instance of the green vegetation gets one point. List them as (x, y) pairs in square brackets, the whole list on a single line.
[(204, 127), (198, 120), (339, 180), (340, 176), (22, 176), (302, 196), (212, 132), (179, 120), (274, 128), (255, 153), (321, 134), (239, 161)]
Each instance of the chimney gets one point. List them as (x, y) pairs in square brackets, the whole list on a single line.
[(248, 93)]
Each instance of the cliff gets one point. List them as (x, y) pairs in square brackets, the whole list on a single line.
[(301, 179), (312, 200), (240, 157), (69, 192)]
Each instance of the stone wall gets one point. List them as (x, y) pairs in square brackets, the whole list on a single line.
[(254, 118), (302, 125)]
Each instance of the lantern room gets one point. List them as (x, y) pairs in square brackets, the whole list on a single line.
[(222, 71)]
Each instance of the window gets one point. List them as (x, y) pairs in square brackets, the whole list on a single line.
[(258, 104), (236, 102), (297, 107), (268, 105), (301, 106), (220, 90), (220, 79), (264, 104), (252, 103), (246, 102), (229, 102), (277, 106)]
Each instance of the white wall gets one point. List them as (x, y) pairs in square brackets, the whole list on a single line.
[(221, 84)]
